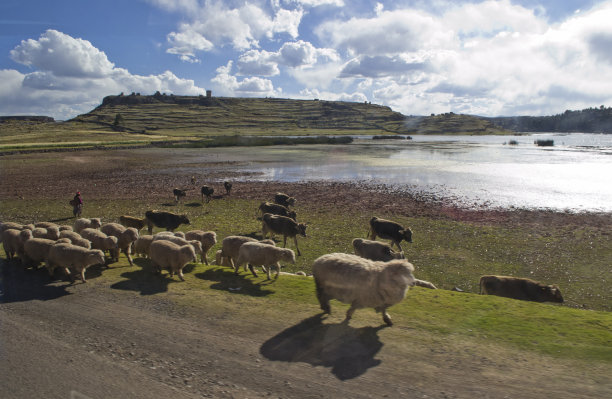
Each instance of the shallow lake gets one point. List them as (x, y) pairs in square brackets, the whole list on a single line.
[(574, 174)]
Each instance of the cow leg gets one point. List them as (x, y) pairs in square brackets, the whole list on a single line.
[(373, 235), (296, 246), (284, 241)]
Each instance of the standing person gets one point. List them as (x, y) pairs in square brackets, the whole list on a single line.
[(77, 204)]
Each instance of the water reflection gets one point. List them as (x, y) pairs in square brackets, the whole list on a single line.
[(574, 174)]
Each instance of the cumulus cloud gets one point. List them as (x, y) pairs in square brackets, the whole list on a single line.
[(229, 85), (71, 76), (218, 24)]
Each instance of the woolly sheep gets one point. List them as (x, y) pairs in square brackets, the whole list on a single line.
[(131, 221), (36, 250), (375, 250), (46, 225), (51, 232), (206, 238), (142, 244), (101, 241), (13, 241), (69, 256), (265, 255), (168, 255), (75, 238), (197, 245), (230, 247), (12, 225), (361, 282), (84, 223), (125, 237)]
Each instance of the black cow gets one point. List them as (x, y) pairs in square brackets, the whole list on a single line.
[(178, 194), (208, 192), (228, 187), (389, 230), (166, 220), (519, 288)]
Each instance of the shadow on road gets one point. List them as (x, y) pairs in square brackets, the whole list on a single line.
[(146, 280), (18, 284), (226, 280), (349, 352)]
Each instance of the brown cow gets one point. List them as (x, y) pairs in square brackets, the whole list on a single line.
[(519, 288)]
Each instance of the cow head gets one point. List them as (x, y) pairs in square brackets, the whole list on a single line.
[(302, 229), (184, 219), (553, 293), (407, 234)]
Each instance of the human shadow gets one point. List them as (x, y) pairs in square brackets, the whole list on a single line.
[(145, 280), (226, 280), (18, 284), (348, 351)]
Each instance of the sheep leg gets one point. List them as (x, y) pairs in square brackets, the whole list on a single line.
[(349, 313), (296, 246), (83, 275), (323, 298), (204, 257), (127, 251), (252, 269), (180, 274), (278, 267), (386, 317)]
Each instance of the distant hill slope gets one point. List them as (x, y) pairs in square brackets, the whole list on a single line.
[(169, 114), (589, 120)]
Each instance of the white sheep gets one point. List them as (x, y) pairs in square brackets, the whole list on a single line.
[(170, 233), (46, 225), (68, 256), (50, 232), (84, 223), (361, 282), (125, 238), (375, 250), (36, 250), (75, 238), (230, 247), (221, 260), (101, 241), (142, 244), (197, 245), (265, 255), (206, 238), (13, 241), (168, 255), (15, 226)]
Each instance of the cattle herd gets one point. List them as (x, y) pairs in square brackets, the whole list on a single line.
[(376, 276)]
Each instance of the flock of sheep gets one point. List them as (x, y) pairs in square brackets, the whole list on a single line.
[(375, 276)]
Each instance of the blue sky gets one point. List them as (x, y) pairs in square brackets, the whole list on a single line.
[(522, 57)]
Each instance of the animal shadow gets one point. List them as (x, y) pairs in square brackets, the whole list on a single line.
[(62, 219), (348, 351), (18, 284), (194, 204), (145, 280), (226, 280)]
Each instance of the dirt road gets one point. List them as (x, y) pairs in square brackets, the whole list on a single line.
[(91, 341)]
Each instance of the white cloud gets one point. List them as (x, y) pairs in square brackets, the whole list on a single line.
[(317, 3), (255, 62), (72, 76), (227, 84), (217, 24)]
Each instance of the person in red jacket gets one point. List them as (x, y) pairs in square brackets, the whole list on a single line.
[(77, 204)]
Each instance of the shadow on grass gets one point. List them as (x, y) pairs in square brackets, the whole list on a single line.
[(18, 284), (348, 351), (62, 219), (146, 280), (226, 280), (194, 205)]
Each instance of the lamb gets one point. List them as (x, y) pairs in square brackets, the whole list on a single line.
[(101, 241), (228, 187), (51, 232), (168, 255), (75, 238), (168, 220), (220, 259), (284, 200), (178, 194), (125, 237), (387, 229), (69, 256), (142, 244), (276, 209), (131, 221), (36, 250), (361, 282), (288, 227), (207, 192), (206, 238), (13, 241), (375, 250), (197, 245), (265, 255), (84, 223), (230, 247)]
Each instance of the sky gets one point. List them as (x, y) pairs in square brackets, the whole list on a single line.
[(491, 58)]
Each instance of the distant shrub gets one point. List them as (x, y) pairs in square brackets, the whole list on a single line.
[(544, 143), (513, 142), (389, 137)]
